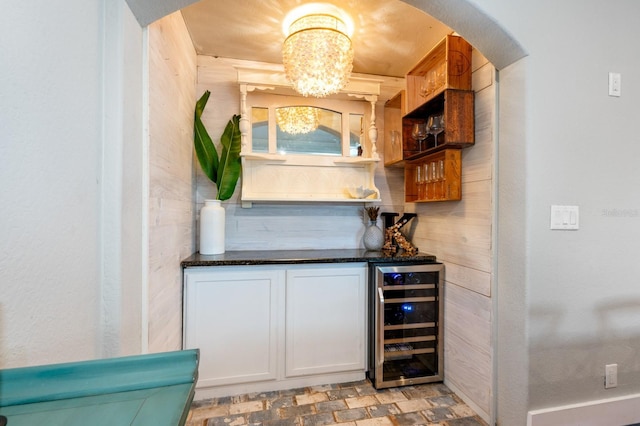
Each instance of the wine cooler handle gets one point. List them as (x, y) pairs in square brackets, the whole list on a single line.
[(380, 295)]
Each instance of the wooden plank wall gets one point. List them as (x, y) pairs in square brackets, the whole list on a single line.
[(460, 235), (172, 77)]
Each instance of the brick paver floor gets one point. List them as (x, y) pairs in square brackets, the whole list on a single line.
[(348, 404)]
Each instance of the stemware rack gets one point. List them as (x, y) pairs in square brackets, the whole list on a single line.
[(457, 107), (443, 184), (449, 63)]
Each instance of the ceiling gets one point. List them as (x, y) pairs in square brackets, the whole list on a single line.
[(389, 38)]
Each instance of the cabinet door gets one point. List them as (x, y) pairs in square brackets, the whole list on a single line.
[(325, 319), (393, 143), (231, 315)]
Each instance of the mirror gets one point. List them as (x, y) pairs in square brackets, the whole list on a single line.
[(304, 129), (308, 130), (356, 134), (260, 129)]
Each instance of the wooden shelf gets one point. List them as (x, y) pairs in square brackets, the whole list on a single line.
[(452, 57), (458, 109), (459, 126), (444, 188), (306, 178)]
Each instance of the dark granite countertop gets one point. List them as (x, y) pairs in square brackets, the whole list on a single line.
[(275, 257)]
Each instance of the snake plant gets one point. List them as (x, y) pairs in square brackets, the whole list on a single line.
[(224, 169)]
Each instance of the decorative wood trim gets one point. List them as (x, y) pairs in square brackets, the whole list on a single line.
[(272, 177)]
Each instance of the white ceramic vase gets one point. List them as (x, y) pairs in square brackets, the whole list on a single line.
[(212, 222), (373, 237)]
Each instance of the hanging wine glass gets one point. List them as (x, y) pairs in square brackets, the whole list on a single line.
[(435, 126), (434, 179), (419, 133), (442, 179), (395, 140), (424, 87), (427, 181), (420, 177)]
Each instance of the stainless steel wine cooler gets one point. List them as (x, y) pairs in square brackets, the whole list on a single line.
[(406, 324)]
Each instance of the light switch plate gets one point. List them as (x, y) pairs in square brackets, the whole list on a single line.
[(565, 217)]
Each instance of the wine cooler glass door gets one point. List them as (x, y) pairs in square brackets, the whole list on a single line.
[(408, 325)]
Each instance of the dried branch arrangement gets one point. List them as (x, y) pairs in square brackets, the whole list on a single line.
[(372, 212)]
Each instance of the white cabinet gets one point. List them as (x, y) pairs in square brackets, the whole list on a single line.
[(325, 320), (232, 316), (270, 327)]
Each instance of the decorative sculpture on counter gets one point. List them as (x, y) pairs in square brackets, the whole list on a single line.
[(373, 237), (392, 233)]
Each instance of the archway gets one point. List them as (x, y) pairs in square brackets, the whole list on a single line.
[(504, 52), (481, 30)]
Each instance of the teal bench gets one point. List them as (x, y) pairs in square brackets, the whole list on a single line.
[(141, 390)]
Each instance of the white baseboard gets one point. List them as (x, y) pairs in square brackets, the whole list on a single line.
[(620, 411), (276, 385)]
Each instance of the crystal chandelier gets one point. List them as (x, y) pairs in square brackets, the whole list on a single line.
[(317, 55), (297, 120)]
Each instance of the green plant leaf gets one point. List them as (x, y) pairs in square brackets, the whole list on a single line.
[(223, 170), (230, 164), (205, 149)]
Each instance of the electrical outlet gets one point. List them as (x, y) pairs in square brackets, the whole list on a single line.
[(615, 84), (610, 376)]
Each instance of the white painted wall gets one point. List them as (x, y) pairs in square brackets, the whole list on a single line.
[(61, 161), (50, 196), (568, 301), (583, 298), (511, 349), (123, 220)]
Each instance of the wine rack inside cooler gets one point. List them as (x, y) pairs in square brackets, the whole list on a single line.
[(407, 341)]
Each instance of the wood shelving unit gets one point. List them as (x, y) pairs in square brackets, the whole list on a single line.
[(444, 185), (448, 64)]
